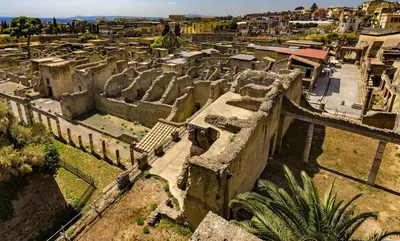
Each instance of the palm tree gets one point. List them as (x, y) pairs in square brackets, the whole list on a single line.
[(272, 213)]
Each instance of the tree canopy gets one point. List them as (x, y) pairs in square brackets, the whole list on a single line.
[(299, 8), (25, 27), (314, 7), (24, 149), (272, 213), (170, 41)]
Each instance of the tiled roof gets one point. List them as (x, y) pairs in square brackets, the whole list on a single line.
[(306, 61), (310, 53)]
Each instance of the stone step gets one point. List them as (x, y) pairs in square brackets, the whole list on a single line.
[(158, 134)]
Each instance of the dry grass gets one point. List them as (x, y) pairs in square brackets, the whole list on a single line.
[(119, 223), (346, 157)]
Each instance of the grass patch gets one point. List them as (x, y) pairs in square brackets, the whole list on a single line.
[(72, 187), (102, 172), (231, 139), (140, 220), (146, 174), (166, 187), (153, 207), (175, 227), (146, 230)]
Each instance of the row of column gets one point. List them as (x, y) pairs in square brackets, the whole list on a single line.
[(375, 164)]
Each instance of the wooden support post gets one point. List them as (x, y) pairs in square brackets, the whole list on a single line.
[(59, 128), (104, 149), (309, 138), (376, 163), (118, 157), (91, 142), (80, 142), (49, 124)]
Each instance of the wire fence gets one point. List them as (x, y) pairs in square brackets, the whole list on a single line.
[(77, 172)]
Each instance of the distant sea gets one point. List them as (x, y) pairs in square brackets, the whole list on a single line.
[(93, 18), (89, 19)]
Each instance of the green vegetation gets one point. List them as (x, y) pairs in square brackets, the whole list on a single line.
[(169, 41), (169, 224), (166, 187), (85, 37), (146, 174), (231, 139), (146, 230), (25, 27), (140, 220), (272, 213), (153, 207)]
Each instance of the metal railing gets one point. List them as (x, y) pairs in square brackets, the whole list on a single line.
[(77, 172)]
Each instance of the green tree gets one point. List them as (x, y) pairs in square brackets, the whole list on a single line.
[(85, 37), (158, 41), (272, 213), (25, 27), (178, 29), (314, 7), (166, 29), (55, 26), (299, 8), (52, 160), (171, 42)]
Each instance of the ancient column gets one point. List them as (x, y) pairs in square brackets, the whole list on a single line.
[(20, 115), (49, 124), (70, 141), (118, 157), (58, 128), (28, 114), (307, 147), (91, 142), (80, 141), (103, 147), (132, 153), (376, 163)]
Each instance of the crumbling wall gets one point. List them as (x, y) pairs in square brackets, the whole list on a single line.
[(157, 89), (147, 113), (202, 92), (183, 107), (254, 90), (119, 54), (141, 84), (39, 208), (116, 83), (95, 57), (176, 88), (76, 104), (253, 77), (385, 120), (121, 65)]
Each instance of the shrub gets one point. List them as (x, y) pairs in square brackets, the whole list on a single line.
[(140, 220), (355, 150), (166, 187), (85, 37), (52, 160), (232, 138), (146, 174), (146, 230), (153, 207)]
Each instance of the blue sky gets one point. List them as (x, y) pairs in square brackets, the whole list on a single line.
[(159, 8)]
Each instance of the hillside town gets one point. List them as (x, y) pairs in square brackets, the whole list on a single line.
[(266, 126)]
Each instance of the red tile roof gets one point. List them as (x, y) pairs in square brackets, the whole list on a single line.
[(310, 53)]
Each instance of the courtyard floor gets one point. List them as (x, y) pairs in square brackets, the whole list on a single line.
[(347, 159), (344, 86)]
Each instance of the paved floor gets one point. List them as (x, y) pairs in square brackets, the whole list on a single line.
[(170, 166), (344, 86)]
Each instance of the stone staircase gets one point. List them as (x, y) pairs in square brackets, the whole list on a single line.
[(157, 135)]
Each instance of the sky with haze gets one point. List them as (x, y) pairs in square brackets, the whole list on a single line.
[(156, 8)]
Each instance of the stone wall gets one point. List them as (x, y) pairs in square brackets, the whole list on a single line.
[(183, 107), (59, 78), (175, 89), (214, 181), (116, 83), (212, 37), (141, 84), (157, 89), (40, 206), (76, 104), (147, 113)]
